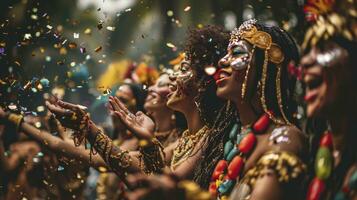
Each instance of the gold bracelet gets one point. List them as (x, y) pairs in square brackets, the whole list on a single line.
[(151, 156), (15, 119)]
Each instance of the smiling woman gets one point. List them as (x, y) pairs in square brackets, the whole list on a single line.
[(254, 76)]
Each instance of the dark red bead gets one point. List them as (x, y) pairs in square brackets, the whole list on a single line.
[(213, 188), (316, 188), (262, 123), (218, 170), (235, 167), (326, 140), (247, 143)]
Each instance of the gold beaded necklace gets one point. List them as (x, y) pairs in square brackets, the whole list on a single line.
[(186, 145)]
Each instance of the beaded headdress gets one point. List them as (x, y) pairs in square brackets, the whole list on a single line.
[(273, 53)]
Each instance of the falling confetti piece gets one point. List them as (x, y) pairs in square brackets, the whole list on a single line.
[(40, 108), (210, 70), (12, 107), (188, 8), (40, 154), (49, 27), (110, 28), (170, 13), (48, 58), (27, 36), (98, 49), (60, 168), (45, 82), (75, 35), (127, 10), (107, 91), (72, 45), (100, 25), (87, 31), (73, 64), (170, 45), (82, 49)]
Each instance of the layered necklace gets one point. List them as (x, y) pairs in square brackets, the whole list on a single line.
[(323, 169), (240, 145), (186, 145)]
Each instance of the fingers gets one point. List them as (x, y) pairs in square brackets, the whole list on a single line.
[(113, 103), (58, 110), (121, 105), (67, 105)]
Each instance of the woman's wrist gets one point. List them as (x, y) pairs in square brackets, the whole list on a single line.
[(14, 119)]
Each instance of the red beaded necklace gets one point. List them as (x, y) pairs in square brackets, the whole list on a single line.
[(323, 167), (236, 150)]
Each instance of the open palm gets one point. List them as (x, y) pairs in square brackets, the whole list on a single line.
[(140, 124)]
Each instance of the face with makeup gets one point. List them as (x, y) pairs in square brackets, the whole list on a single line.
[(183, 89), (233, 65), (325, 77), (157, 94)]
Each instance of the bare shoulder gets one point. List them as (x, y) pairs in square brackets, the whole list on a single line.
[(288, 138)]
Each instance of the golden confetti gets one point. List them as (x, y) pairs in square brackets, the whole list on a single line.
[(98, 49)]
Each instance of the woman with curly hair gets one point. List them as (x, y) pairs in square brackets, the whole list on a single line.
[(191, 94)]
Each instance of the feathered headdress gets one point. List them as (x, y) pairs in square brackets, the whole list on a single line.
[(330, 18)]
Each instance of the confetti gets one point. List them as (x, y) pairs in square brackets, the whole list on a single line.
[(45, 82), (188, 8), (27, 36), (100, 25), (82, 49), (170, 13), (75, 35), (127, 10), (170, 45), (210, 70), (40, 108), (72, 45), (98, 49), (49, 27), (110, 28), (60, 168), (87, 31), (12, 107)]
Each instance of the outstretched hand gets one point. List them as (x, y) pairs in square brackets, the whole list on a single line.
[(70, 115), (139, 124)]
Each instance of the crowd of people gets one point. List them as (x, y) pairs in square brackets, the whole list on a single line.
[(221, 124)]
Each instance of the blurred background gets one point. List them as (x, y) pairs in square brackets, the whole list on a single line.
[(80, 47)]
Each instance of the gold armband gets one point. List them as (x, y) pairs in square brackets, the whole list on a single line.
[(151, 156), (15, 119), (116, 159), (286, 166)]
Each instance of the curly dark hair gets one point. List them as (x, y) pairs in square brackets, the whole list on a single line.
[(204, 47)]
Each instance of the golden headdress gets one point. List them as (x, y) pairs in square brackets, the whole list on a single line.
[(330, 18), (273, 53)]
